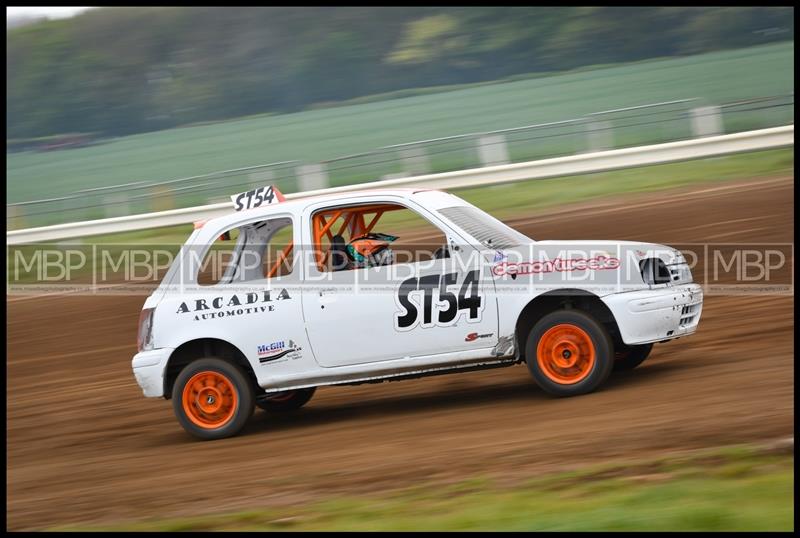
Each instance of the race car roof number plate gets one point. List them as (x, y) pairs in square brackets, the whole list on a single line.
[(257, 197)]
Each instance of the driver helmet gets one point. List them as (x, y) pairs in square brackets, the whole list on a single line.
[(371, 250)]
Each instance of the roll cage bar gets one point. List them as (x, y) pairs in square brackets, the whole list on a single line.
[(356, 219)]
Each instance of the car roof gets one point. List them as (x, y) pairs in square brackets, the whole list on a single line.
[(296, 205)]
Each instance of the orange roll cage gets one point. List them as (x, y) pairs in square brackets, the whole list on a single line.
[(322, 223)]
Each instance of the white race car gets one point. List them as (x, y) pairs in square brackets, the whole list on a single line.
[(265, 304)]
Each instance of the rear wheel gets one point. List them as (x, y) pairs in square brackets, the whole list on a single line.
[(212, 399), (287, 401), (569, 353), (629, 357)]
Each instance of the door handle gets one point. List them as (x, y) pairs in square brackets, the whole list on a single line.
[(327, 296)]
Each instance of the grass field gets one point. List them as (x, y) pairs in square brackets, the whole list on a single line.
[(741, 488), (322, 134)]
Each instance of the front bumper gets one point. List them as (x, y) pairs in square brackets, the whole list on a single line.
[(149, 368), (655, 315)]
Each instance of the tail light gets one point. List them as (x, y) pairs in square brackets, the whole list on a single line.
[(145, 337)]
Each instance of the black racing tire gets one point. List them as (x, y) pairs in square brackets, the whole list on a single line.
[(291, 400), (629, 357), (569, 352), (212, 398)]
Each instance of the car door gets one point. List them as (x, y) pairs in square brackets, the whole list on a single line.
[(412, 308)]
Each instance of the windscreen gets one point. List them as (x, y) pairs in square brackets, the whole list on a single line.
[(489, 231)]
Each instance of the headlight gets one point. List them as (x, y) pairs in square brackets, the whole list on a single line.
[(145, 337), (681, 274), (654, 271)]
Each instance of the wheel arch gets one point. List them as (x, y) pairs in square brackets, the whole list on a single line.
[(205, 347), (567, 298)]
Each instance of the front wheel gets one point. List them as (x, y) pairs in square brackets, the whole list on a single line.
[(212, 399), (287, 401), (568, 352), (629, 357)]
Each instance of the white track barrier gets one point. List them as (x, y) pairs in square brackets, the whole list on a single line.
[(476, 177)]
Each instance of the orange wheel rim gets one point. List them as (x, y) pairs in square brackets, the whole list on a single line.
[(209, 400), (566, 354)]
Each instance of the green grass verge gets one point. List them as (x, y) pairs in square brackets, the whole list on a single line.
[(733, 489), (316, 135)]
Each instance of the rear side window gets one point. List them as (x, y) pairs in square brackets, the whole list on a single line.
[(220, 258), (489, 231), (255, 251)]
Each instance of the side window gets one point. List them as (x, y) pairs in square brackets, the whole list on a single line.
[(253, 251), (219, 259), (369, 235), (278, 259)]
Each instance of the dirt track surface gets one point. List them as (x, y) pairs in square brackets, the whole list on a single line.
[(85, 446)]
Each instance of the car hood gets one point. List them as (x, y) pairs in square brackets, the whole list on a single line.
[(608, 265)]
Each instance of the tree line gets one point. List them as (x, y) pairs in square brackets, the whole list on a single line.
[(119, 71)]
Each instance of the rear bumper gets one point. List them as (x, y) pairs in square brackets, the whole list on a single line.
[(656, 315), (148, 368)]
